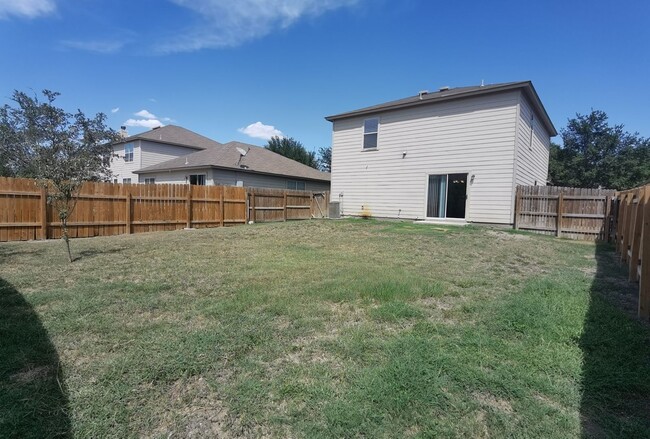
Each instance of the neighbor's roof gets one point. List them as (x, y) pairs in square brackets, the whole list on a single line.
[(456, 93), (174, 135), (226, 156)]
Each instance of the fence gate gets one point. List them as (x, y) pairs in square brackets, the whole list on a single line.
[(575, 213)]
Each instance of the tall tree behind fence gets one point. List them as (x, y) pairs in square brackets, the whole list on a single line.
[(575, 213), (632, 239)]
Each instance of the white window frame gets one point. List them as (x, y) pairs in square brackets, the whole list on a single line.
[(128, 156), (126, 181), (150, 180), (205, 179), (375, 133)]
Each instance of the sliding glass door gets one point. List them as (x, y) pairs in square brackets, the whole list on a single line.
[(446, 196)]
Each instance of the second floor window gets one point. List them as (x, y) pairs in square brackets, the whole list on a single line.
[(128, 152), (370, 131)]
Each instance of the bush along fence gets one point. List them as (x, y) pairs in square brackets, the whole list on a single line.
[(631, 223), (104, 209), (575, 213)]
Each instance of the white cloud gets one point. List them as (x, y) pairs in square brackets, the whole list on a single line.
[(258, 130), (97, 46), (145, 114), (227, 23), (26, 8), (146, 123), (115, 110)]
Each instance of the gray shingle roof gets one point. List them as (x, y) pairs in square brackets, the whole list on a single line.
[(174, 135), (226, 156), (456, 93)]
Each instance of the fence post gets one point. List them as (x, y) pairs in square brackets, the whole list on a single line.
[(635, 242), (517, 206), (128, 213), (284, 213), (189, 207), (43, 212), (560, 212), (629, 204), (252, 216), (223, 207), (644, 279), (608, 222), (311, 205)]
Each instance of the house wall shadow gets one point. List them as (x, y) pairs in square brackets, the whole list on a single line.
[(616, 355), (33, 395)]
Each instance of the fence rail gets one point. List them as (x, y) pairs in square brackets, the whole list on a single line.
[(104, 209), (631, 222), (575, 213)]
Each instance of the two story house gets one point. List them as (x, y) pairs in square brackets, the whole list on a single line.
[(454, 155)]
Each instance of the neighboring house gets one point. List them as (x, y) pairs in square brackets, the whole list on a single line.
[(154, 146), (224, 164), (173, 154), (453, 155)]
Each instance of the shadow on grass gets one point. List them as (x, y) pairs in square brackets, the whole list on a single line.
[(33, 397), (96, 252), (616, 356)]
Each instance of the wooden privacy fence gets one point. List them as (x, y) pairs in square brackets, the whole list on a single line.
[(104, 209), (575, 213), (632, 238), (268, 205)]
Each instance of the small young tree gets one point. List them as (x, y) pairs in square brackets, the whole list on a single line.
[(62, 150)]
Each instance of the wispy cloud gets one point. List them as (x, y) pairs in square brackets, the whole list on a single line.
[(26, 8), (145, 114), (145, 123), (227, 23), (258, 130), (97, 46), (115, 110)]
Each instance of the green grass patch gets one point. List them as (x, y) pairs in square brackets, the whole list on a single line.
[(321, 329)]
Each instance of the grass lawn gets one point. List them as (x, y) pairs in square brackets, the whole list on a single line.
[(321, 329)]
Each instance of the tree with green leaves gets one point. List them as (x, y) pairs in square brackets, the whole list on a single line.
[(61, 150), (293, 149), (596, 154), (325, 158)]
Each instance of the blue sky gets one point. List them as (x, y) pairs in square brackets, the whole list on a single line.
[(246, 69)]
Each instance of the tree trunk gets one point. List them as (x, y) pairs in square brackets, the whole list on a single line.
[(66, 238)]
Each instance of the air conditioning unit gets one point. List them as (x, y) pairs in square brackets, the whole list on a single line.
[(335, 210)]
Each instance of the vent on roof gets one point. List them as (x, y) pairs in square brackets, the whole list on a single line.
[(422, 93), (155, 128), (445, 88)]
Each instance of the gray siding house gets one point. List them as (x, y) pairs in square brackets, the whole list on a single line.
[(173, 154), (155, 146), (237, 164), (455, 155)]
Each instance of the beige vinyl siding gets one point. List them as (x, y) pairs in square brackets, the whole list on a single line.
[(121, 169), (474, 136), (532, 147), (154, 153)]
